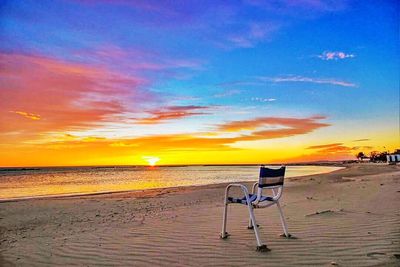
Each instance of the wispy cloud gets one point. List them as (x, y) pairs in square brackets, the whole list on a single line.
[(361, 140), (254, 33), (172, 113), (272, 127), (303, 79), (338, 148), (137, 59), (261, 99), (324, 146), (335, 55), (335, 148), (31, 116), (228, 93)]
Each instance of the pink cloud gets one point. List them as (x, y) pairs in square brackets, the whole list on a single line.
[(66, 95), (335, 55)]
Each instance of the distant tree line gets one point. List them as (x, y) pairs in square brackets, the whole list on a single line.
[(376, 156)]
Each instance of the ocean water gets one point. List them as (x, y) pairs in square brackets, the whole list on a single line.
[(44, 182)]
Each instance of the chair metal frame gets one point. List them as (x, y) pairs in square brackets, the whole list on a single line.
[(277, 191)]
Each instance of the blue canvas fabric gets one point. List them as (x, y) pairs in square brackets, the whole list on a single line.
[(271, 177), (252, 198)]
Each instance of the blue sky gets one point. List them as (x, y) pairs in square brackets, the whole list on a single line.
[(173, 68)]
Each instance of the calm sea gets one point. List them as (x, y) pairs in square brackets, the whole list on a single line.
[(41, 182)]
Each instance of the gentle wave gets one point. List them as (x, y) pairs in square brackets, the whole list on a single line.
[(69, 181)]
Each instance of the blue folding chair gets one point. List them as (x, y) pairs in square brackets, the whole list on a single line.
[(269, 179)]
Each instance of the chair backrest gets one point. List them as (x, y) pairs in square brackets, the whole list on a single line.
[(271, 177)]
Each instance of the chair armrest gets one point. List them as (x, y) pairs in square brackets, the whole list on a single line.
[(244, 189), (254, 188), (278, 195)]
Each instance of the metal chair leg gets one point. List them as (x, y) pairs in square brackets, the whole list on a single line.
[(250, 225), (283, 221), (224, 234), (260, 246)]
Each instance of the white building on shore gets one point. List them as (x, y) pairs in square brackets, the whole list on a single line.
[(393, 158)]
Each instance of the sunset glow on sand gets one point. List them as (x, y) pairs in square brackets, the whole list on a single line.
[(111, 82)]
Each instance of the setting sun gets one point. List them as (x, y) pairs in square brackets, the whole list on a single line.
[(151, 160)]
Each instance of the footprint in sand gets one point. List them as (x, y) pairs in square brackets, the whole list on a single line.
[(375, 254)]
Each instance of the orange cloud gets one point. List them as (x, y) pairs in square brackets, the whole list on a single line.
[(31, 116), (289, 126), (202, 141), (324, 152), (178, 148), (175, 142), (338, 148), (324, 146), (335, 148), (172, 113), (69, 96)]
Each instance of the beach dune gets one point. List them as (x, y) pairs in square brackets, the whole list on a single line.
[(349, 217)]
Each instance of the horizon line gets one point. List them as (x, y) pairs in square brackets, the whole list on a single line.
[(174, 165)]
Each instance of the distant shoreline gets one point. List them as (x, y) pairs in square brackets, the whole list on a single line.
[(312, 163), (142, 192)]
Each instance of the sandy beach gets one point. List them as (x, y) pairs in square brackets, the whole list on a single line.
[(349, 217)]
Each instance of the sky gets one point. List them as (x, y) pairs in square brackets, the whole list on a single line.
[(197, 82)]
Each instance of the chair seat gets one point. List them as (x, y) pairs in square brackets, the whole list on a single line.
[(252, 198)]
